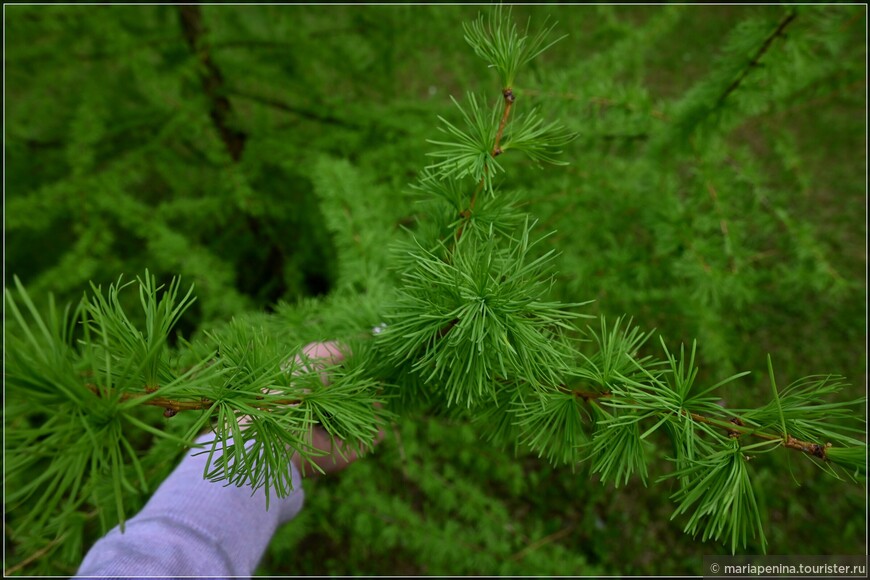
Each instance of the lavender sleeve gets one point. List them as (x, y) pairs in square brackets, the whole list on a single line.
[(194, 527)]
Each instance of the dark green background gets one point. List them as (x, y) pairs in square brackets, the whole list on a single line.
[(184, 140)]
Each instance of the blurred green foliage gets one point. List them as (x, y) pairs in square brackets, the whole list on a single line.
[(716, 191)]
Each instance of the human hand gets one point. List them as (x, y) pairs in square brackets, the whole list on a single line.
[(314, 357)]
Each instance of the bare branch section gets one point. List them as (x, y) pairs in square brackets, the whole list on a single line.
[(509, 99), (172, 406)]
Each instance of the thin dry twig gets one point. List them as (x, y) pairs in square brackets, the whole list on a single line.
[(35, 556), (543, 541)]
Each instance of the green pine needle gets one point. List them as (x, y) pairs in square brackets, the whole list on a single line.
[(776, 400), (618, 450), (469, 153), (719, 495), (496, 40), (541, 142)]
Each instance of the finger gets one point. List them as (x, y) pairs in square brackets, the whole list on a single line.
[(381, 432), (316, 355), (333, 460), (330, 352)]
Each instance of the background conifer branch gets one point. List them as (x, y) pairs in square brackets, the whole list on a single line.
[(234, 139), (779, 31), (190, 16)]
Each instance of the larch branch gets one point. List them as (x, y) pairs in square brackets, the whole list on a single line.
[(735, 427), (174, 406)]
